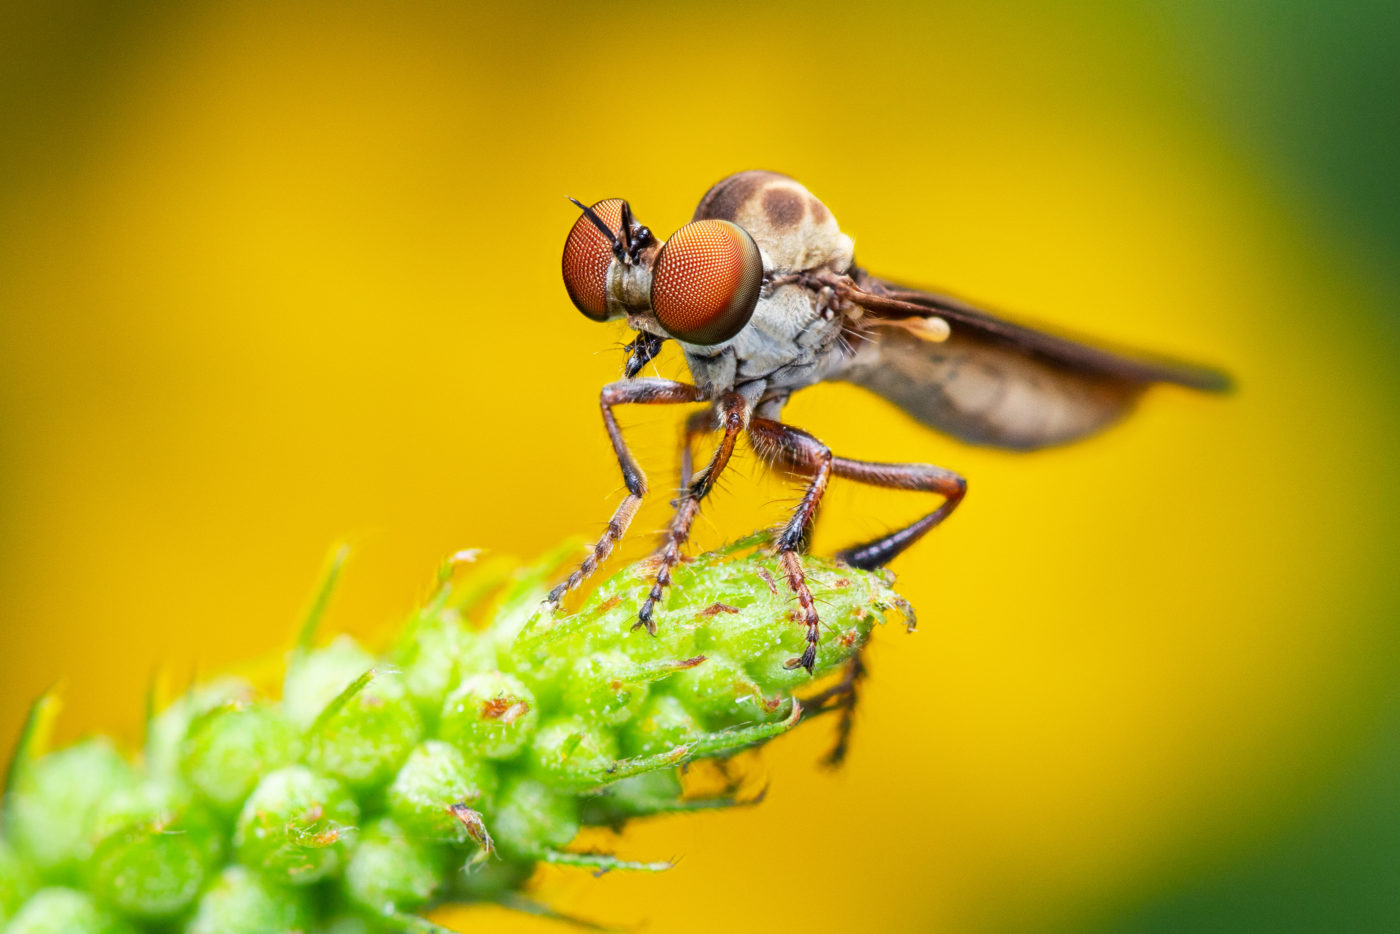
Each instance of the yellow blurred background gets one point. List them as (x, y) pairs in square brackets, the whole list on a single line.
[(274, 275)]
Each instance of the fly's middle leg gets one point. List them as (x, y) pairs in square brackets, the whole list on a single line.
[(734, 414), (697, 424)]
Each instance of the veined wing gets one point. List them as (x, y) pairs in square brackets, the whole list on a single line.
[(996, 382)]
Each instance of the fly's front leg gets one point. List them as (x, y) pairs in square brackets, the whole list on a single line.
[(809, 456), (734, 414), (637, 392)]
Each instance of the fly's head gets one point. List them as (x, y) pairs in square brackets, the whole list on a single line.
[(700, 287)]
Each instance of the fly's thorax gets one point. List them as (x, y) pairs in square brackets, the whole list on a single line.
[(787, 343), (796, 231)]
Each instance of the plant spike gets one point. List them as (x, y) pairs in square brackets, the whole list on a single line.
[(321, 597), (33, 741), (366, 792), (600, 862), (338, 703)]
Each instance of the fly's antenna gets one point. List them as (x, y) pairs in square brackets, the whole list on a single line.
[(592, 215), (627, 227)]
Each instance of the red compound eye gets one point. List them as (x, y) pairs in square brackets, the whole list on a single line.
[(705, 283), (587, 255)]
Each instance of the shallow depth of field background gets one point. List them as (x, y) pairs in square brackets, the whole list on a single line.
[(273, 276)]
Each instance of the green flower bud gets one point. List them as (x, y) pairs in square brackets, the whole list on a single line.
[(155, 850), (662, 724), (389, 871), (427, 657), (315, 678), (363, 740), (240, 901), (435, 652), (435, 776), (572, 751), (167, 731), (296, 826), (721, 693), (352, 924), (651, 793), (604, 687), (490, 715), (491, 880), (55, 801), (531, 817), (18, 881), (229, 748), (65, 911)]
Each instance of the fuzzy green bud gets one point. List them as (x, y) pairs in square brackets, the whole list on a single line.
[(390, 871), (721, 693), (227, 750), (55, 802), (296, 826), (17, 882), (606, 687), (241, 901), (364, 739), (316, 677), (492, 880), (436, 776), (65, 911), (166, 732), (155, 850), (436, 653), (530, 817), (572, 751), (490, 714), (352, 924), (650, 793), (662, 724)]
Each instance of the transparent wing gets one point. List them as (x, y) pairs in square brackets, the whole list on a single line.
[(996, 382), (974, 323)]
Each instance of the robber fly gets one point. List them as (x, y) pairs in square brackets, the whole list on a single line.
[(762, 294)]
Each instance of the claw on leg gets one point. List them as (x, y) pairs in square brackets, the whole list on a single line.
[(807, 610), (617, 527)]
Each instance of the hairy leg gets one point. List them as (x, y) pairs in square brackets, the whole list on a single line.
[(808, 456), (734, 414), (917, 477), (785, 443), (625, 392)]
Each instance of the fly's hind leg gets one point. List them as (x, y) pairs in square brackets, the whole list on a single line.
[(918, 477), (624, 392), (841, 696), (734, 414), (806, 455)]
